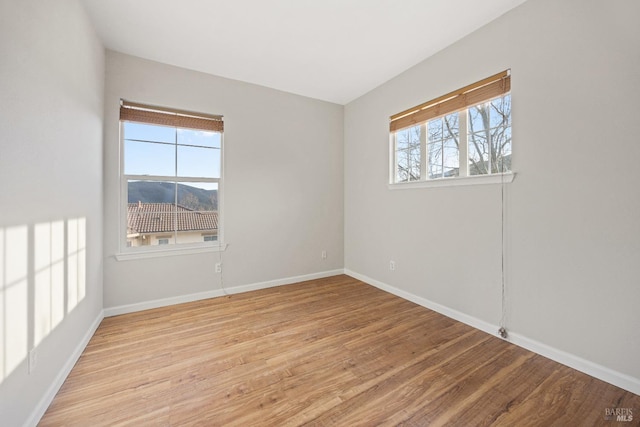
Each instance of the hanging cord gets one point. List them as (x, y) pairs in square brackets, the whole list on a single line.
[(503, 319)]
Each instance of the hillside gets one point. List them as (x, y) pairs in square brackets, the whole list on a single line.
[(163, 192)]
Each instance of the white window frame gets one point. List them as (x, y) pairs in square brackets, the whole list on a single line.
[(126, 252), (463, 178)]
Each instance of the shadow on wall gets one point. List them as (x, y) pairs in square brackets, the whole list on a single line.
[(42, 279)]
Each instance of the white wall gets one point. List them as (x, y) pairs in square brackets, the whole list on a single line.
[(283, 183), (572, 212), (51, 92)]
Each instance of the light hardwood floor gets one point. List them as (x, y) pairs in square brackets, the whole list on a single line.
[(326, 352)]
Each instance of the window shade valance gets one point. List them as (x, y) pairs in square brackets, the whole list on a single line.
[(484, 90), (141, 113)]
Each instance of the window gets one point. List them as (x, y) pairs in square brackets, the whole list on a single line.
[(171, 177), (464, 133)]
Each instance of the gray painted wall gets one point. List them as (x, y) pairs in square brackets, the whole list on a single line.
[(283, 183), (51, 101), (572, 229)]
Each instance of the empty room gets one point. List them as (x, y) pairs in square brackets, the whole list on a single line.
[(345, 213)]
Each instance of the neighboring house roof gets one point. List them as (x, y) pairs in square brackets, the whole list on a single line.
[(162, 217)]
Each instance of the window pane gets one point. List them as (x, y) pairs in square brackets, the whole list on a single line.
[(506, 151), (490, 137), (450, 158), (191, 226), (200, 196), (198, 162), (148, 223), (435, 129), (414, 164), (414, 136), (196, 215), (435, 159), (478, 118), (502, 148), (442, 149), (408, 154), (402, 139), (450, 126), (501, 135), (151, 192), (402, 169), (500, 112), (146, 132), (408, 137), (199, 138), (145, 158), (194, 237), (409, 164), (498, 140), (478, 154), (153, 218)]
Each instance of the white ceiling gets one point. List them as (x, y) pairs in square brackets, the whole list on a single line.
[(334, 50)]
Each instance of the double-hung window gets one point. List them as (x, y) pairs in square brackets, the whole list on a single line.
[(463, 133), (171, 178)]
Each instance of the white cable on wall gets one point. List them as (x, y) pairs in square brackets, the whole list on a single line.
[(503, 317)]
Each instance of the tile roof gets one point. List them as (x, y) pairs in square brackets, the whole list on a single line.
[(162, 217)]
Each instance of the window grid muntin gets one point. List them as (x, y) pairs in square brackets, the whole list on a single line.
[(442, 131)]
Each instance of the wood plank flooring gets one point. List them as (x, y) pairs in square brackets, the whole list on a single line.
[(328, 352)]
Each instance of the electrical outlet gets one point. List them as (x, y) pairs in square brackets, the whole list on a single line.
[(392, 265), (218, 267), (324, 255), (33, 360)]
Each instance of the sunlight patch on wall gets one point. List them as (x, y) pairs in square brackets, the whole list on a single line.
[(76, 259), (42, 280), (49, 278), (14, 248)]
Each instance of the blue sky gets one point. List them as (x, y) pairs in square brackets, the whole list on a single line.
[(160, 150)]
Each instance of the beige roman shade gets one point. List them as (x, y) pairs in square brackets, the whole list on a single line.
[(484, 90), (141, 113)]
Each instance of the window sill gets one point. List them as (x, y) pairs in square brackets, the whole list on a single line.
[(158, 253), (504, 178)]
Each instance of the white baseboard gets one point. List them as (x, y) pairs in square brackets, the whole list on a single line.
[(51, 392), (285, 281), (163, 302), (449, 312), (146, 305), (603, 373)]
